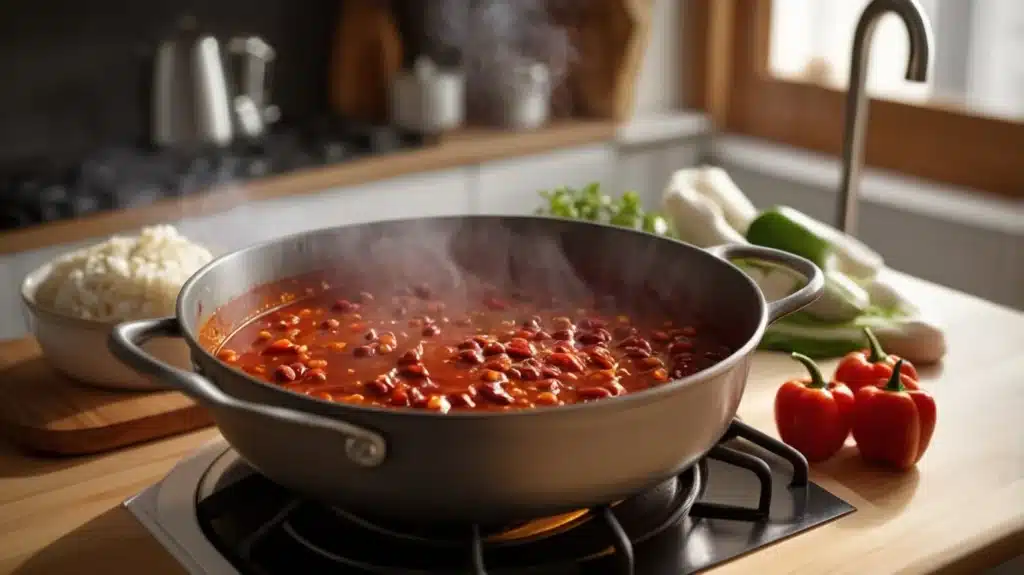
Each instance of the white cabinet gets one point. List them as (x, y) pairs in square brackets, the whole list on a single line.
[(511, 186)]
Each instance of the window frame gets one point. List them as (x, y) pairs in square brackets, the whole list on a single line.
[(727, 47)]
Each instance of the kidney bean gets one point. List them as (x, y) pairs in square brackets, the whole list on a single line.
[(520, 348), (615, 387), (298, 368), (399, 397), (532, 324), (387, 338), (462, 399), (566, 361), (430, 330), (685, 357), (522, 334), (514, 373), (412, 355), (284, 373), (591, 323), (636, 341), (471, 356), (637, 352), (494, 392), (500, 363), (330, 323), (563, 335), (385, 349), (660, 336), (678, 347), (382, 385), (370, 335), (316, 374), (659, 375), (263, 335), (345, 306), (541, 336), (414, 370), (602, 360), (364, 351), (547, 398), (550, 371), (552, 385), (493, 348), (469, 344), (648, 363), (562, 323), (592, 393), (529, 373), (279, 346), (491, 375), (227, 355)]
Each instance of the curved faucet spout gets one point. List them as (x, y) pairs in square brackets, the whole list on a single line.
[(918, 62)]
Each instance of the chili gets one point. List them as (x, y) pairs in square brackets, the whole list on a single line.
[(499, 351), (813, 416), (869, 366), (893, 425)]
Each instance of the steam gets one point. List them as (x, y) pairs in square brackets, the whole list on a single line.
[(497, 37)]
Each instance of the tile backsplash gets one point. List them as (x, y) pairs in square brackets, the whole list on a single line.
[(77, 74)]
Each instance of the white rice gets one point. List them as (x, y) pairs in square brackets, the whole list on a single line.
[(124, 277)]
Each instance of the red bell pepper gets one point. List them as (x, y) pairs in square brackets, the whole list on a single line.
[(893, 425), (813, 416), (867, 367)]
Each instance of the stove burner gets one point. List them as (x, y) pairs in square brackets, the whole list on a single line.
[(284, 533)]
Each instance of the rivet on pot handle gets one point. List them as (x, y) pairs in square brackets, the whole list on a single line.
[(363, 447), (794, 301)]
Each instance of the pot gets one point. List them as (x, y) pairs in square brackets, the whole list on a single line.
[(409, 465)]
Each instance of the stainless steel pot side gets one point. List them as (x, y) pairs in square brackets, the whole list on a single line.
[(407, 464)]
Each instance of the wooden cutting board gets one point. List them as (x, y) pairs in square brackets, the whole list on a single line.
[(46, 412)]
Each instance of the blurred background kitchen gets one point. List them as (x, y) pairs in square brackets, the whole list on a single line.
[(243, 121)]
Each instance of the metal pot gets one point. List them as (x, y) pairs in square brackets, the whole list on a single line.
[(405, 464)]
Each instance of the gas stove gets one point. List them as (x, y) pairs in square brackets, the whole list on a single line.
[(124, 177), (216, 515)]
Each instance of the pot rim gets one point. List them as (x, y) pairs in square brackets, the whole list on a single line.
[(619, 402)]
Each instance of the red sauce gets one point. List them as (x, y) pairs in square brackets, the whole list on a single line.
[(488, 351)]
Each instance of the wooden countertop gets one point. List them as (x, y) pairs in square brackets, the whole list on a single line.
[(960, 511), (463, 147)]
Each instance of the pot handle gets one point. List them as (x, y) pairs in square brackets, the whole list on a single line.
[(362, 447), (800, 298)]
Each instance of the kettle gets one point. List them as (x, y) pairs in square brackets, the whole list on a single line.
[(193, 102)]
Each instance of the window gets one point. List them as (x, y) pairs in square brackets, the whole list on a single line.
[(777, 69)]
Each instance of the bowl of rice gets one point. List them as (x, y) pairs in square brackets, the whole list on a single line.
[(73, 302)]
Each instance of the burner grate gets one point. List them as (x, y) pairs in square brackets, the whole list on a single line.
[(606, 534)]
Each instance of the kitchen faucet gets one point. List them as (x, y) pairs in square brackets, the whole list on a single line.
[(919, 31)]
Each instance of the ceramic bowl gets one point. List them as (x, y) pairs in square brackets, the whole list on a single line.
[(77, 347)]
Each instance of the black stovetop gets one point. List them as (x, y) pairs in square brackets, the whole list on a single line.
[(46, 190), (749, 492)]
